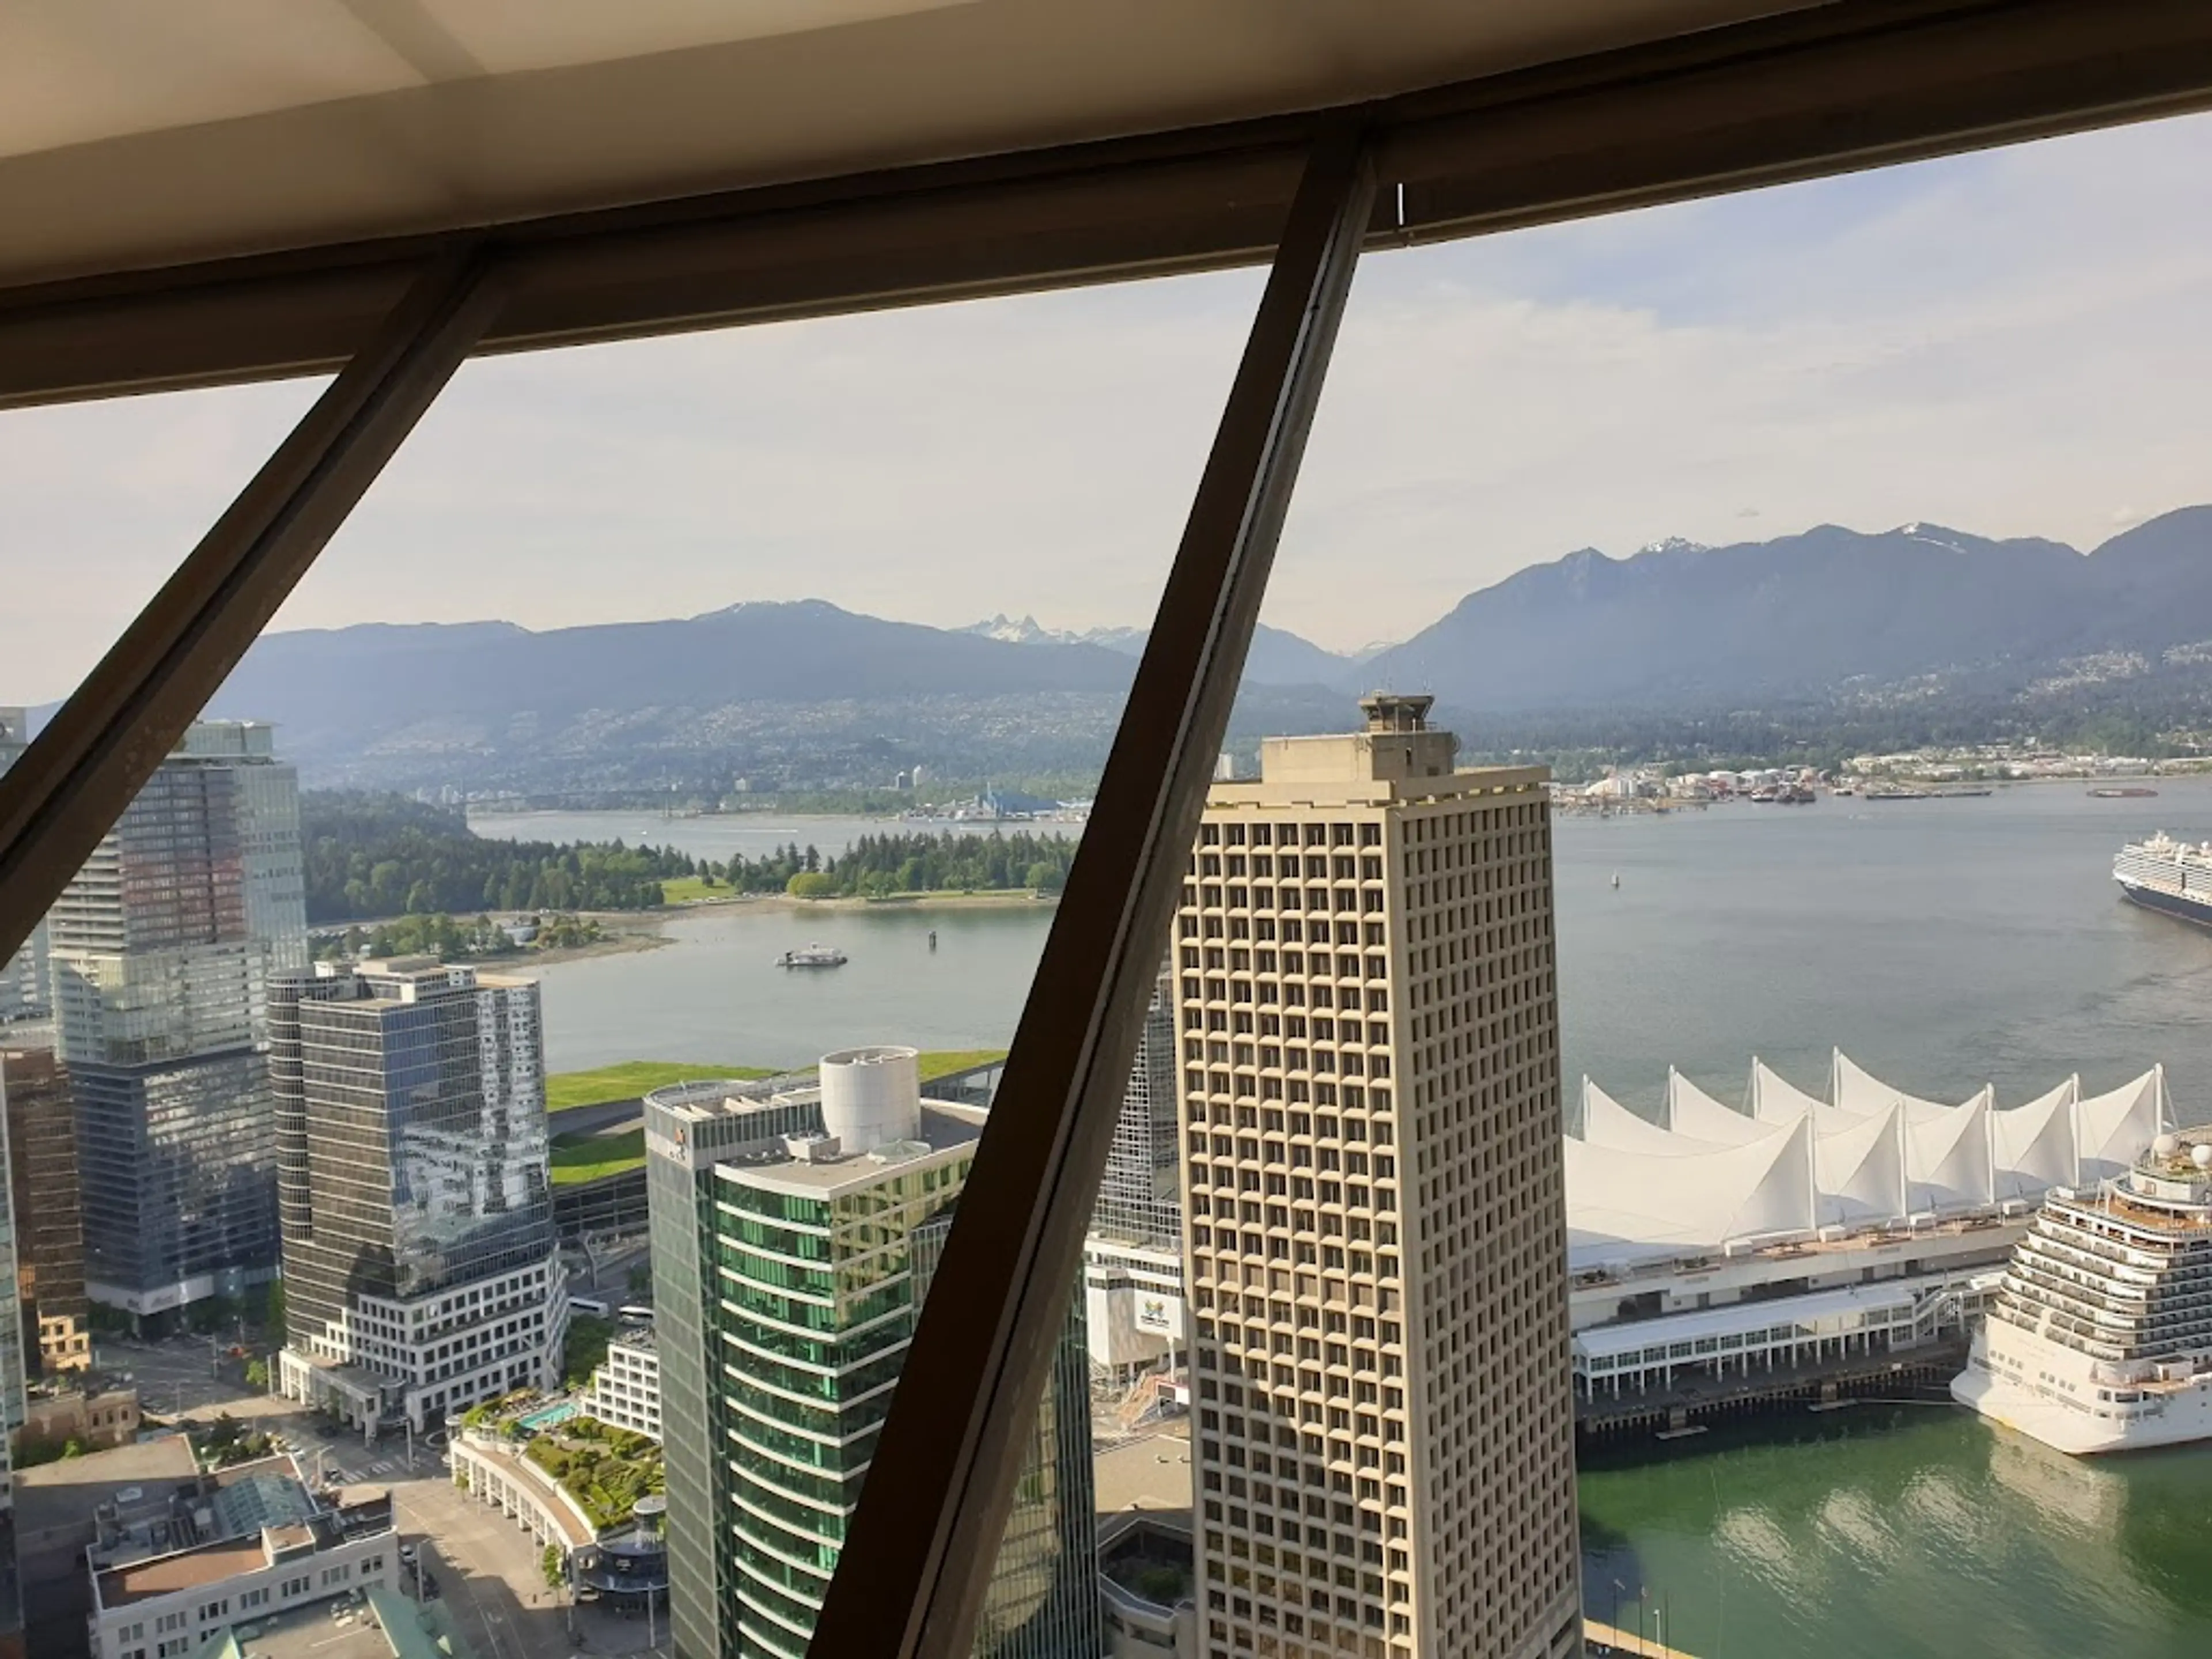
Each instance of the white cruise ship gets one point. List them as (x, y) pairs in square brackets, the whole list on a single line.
[(2164, 874), (2100, 1338)]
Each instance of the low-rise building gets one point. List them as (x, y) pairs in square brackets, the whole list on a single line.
[(497, 1474), (59, 1509), (1134, 1305), (378, 1623), (174, 1568), (1146, 1581), (625, 1389), (95, 1418)]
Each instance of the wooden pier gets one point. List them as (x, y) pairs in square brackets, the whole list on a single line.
[(1604, 1641), (1813, 1386)]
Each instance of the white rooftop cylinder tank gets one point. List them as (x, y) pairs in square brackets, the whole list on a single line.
[(871, 1096)]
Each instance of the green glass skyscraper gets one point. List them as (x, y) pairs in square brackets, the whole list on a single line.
[(796, 1226)]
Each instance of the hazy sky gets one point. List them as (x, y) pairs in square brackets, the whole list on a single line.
[(2017, 342)]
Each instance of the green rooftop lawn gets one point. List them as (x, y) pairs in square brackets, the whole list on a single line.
[(632, 1078), (943, 1062), (578, 1158)]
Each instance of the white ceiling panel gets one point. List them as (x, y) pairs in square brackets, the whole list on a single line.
[(137, 133)]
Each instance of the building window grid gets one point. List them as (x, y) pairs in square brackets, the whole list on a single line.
[(1217, 1265)]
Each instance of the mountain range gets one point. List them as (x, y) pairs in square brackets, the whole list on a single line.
[(1278, 657), (804, 694)]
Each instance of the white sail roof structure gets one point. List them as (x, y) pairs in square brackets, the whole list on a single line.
[(2032, 1146), (2111, 1130), (1856, 1089), (1623, 1206), (1774, 1099), (1948, 1157), (1858, 1170), (1692, 1111), (1606, 1122), (1711, 1175)]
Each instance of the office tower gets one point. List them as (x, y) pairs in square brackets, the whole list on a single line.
[(420, 1271), (1139, 1196), (41, 1121), (14, 1370), (163, 948), (1132, 1255), (1377, 1254), (23, 976), (796, 1226)]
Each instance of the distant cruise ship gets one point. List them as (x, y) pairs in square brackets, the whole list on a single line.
[(2100, 1337), (2169, 875)]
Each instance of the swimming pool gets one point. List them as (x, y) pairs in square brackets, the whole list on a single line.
[(548, 1417)]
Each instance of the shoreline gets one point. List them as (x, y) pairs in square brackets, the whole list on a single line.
[(1010, 898), (628, 934)]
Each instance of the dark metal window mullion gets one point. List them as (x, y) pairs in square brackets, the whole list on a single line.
[(72, 784), (918, 1558)]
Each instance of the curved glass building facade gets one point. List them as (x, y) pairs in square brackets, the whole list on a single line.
[(789, 1268)]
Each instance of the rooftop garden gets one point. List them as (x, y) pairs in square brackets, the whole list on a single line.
[(605, 1469), (631, 1079), (578, 1157), (634, 1078)]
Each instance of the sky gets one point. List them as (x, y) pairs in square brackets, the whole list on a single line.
[(2013, 343)]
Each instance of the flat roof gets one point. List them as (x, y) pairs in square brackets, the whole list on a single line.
[(1633, 1335), (944, 1129), (165, 1575), (64, 1493), (387, 1625), (1151, 1473)]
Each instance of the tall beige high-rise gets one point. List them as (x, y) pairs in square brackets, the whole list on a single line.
[(1368, 1023)]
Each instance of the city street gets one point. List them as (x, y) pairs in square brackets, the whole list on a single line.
[(488, 1571), (181, 1377)]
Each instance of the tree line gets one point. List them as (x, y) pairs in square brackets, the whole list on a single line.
[(878, 865), (374, 855)]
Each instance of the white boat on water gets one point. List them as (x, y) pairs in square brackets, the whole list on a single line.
[(2101, 1338), (814, 955)]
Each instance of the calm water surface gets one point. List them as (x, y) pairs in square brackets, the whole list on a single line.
[(1942, 943)]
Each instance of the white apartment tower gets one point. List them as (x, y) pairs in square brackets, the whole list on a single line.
[(1376, 1236)]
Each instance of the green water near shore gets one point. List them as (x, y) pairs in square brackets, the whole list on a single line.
[(1886, 1531)]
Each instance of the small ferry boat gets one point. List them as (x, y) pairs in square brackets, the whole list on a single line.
[(814, 955), (2131, 792)]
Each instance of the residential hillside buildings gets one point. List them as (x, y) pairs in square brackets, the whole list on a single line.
[(796, 1226), (163, 948), (420, 1271), (1367, 1013)]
